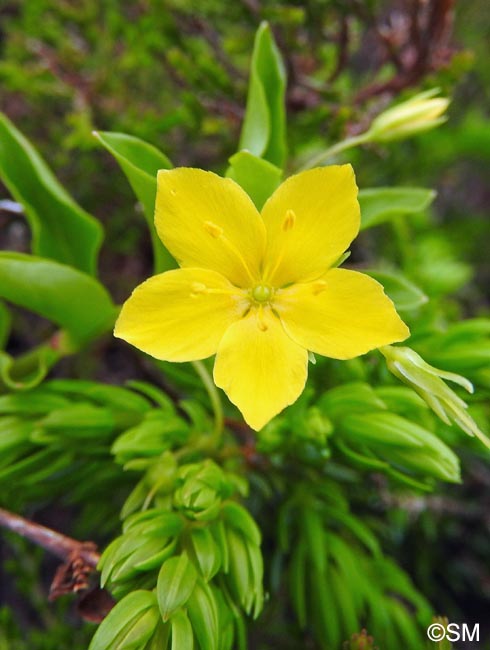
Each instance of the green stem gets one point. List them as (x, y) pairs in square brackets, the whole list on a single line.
[(322, 157), (214, 397)]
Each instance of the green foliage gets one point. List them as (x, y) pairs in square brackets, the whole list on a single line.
[(381, 204), (61, 230), (37, 284), (140, 162), (264, 126)]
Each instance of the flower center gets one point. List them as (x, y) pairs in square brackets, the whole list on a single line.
[(262, 293)]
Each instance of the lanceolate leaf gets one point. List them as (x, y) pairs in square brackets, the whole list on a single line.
[(263, 132), (129, 625), (71, 299), (61, 229), (404, 293), (140, 162), (380, 204), (176, 582)]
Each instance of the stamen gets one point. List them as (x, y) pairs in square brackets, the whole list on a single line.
[(289, 221), (212, 229), (262, 325), (287, 225), (197, 289), (218, 233), (318, 287)]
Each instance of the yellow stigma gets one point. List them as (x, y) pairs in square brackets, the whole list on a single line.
[(262, 293)]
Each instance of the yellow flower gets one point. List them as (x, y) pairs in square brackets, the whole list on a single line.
[(258, 290)]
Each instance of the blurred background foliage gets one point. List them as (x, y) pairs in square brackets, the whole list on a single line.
[(175, 74)]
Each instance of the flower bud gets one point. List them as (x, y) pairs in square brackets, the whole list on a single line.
[(427, 381), (420, 113)]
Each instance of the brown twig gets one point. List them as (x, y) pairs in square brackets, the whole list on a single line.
[(74, 575), (60, 545)]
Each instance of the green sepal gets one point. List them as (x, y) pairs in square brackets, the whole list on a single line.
[(258, 177)]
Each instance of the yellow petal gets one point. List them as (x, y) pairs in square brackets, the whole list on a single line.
[(259, 367), (342, 315), (311, 219), (180, 315), (209, 222)]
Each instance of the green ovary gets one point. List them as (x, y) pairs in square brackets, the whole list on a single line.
[(262, 293)]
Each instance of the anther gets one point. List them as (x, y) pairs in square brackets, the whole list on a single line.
[(289, 220), (214, 230), (262, 325), (318, 287), (197, 289)]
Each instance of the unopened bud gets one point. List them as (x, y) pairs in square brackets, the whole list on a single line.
[(421, 113), (428, 382)]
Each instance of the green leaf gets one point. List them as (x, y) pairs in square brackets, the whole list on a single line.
[(206, 552), (176, 582), (239, 576), (34, 402), (264, 126), (5, 320), (297, 581), (61, 229), (203, 614), (182, 634), (239, 518), (129, 625), (380, 204), (404, 444), (405, 294), (140, 162), (64, 295), (258, 177)]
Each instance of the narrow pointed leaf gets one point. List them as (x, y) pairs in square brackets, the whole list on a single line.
[(203, 614), (140, 162), (61, 229), (120, 623), (182, 634), (263, 131), (176, 582)]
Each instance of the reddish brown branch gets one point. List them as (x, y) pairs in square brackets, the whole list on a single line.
[(60, 545), (74, 575)]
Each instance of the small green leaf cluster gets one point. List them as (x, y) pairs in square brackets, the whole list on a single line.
[(187, 569)]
